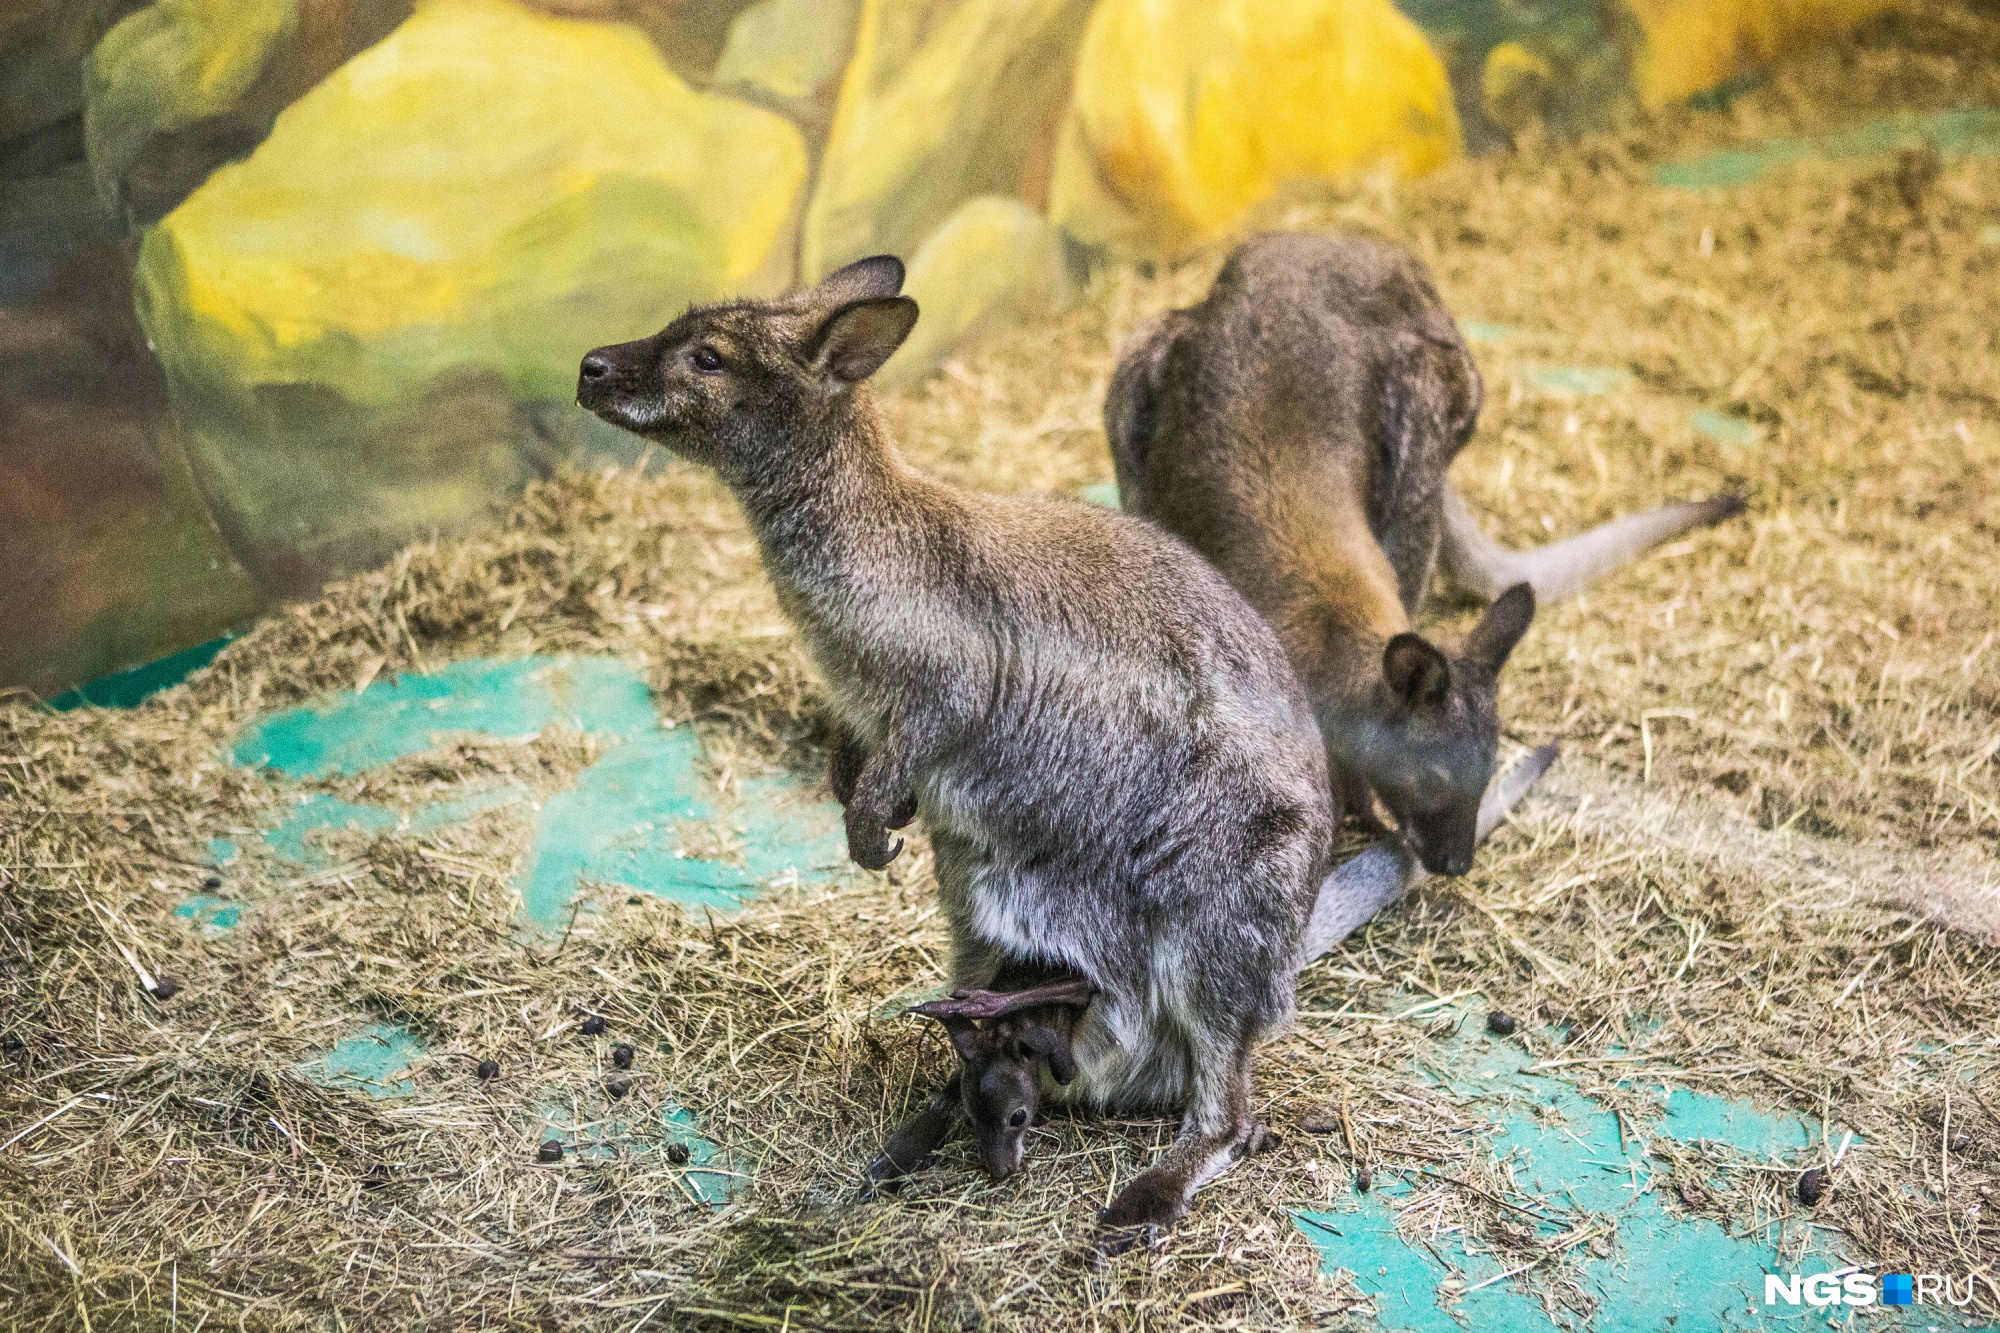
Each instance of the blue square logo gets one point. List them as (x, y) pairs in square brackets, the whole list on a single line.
[(1895, 1289)]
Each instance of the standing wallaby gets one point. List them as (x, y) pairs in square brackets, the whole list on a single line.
[(1114, 762), (1004, 1038), (1295, 428)]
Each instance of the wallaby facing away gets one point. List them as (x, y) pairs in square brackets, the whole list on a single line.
[(1006, 1037), (1295, 427), (1106, 744)]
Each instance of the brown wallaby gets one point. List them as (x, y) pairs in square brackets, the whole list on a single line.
[(1295, 427), (1006, 1039), (999, 1089), (1107, 747)]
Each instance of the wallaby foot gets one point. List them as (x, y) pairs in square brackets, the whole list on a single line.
[(1147, 1208), (1262, 1139), (910, 1147)]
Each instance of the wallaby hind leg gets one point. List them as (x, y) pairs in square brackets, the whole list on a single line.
[(1217, 1130), (1480, 568)]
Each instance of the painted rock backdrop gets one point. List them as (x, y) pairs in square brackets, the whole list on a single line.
[(286, 283)]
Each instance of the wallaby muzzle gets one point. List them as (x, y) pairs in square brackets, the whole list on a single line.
[(610, 383)]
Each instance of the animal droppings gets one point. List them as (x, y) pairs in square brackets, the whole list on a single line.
[(489, 1069), (1499, 1024), (166, 988), (621, 1055), (677, 1153), (1811, 1185), (212, 882), (592, 1026), (550, 1151), (617, 1085), (1363, 1179)]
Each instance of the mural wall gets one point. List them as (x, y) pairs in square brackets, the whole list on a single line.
[(285, 283)]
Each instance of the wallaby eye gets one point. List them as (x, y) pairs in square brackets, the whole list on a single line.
[(707, 360), (1018, 1119)]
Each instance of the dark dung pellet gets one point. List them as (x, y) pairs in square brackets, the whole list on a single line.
[(550, 1151), (621, 1055), (592, 1026), (1363, 1179), (1811, 1185), (489, 1069), (1499, 1024), (166, 988), (677, 1153), (617, 1084), (212, 882)]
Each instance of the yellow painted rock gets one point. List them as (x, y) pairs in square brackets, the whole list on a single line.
[(182, 86), (1513, 84), (43, 43), (943, 100), (1188, 113), (994, 262), (689, 34), (1690, 46), (353, 318), (791, 52)]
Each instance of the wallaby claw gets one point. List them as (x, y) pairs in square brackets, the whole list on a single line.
[(868, 841)]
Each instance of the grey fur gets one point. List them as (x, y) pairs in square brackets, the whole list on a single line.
[(998, 1087), (1106, 745)]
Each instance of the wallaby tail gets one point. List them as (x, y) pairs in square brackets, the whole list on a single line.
[(1476, 565), (1386, 871)]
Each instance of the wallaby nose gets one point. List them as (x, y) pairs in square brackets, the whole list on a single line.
[(596, 366)]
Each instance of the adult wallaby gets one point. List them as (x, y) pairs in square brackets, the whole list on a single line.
[(1295, 428), (1106, 744), (1014, 1041)]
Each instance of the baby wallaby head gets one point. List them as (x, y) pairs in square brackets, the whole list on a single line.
[(1002, 1037), (729, 385), (1000, 1077), (1430, 751)]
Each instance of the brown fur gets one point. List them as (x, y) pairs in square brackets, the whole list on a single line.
[(1295, 428)]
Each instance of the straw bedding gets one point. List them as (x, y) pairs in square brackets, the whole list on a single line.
[(1765, 865)]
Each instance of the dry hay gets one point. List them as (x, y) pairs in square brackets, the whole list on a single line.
[(1764, 865)]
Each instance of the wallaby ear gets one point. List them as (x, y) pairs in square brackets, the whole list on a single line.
[(1053, 1046), (852, 343), (1494, 637), (868, 279), (964, 1035), (1417, 672)]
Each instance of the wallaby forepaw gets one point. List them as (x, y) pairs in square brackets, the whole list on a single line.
[(868, 842), (844, 769)]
